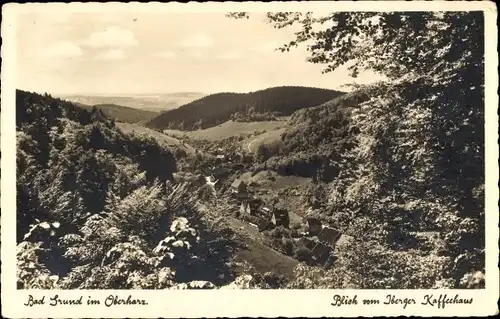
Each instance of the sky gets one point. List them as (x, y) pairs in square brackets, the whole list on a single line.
[(143, 53)]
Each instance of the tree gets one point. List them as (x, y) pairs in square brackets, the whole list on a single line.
[(393, 43), (417, 159)]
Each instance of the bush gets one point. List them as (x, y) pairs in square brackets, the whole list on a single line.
[(180, 153), (303, 254), (288, 246)]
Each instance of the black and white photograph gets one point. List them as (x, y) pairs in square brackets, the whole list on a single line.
[(277, 150)]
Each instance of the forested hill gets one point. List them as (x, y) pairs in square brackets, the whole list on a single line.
[(86, 190), (314, 140), (123, 113), (64, 149), (217, 108)]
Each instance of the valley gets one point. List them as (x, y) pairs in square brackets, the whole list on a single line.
[(216, 147), (330, 150), (271, 194), (256, 249)]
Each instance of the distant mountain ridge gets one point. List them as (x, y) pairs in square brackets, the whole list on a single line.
[(150, 102), (217, 108)]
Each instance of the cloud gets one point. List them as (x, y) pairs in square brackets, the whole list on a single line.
[(113, 54), (165, 54), (63, 49), (199, 40), (112, 37)]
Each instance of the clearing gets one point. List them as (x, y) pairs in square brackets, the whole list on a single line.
[(252, 144), (230, 128)]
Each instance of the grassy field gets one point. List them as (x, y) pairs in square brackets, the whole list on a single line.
[(264, 258), (251, 248), (161, 138), (230, 128), (253, 143)]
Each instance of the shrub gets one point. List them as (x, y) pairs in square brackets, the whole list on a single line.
[(303, 254)]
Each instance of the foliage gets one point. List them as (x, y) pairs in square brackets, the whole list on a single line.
[(404, 159), (281, 240), (97, 209), (314, 140), (409, 157), (304, 254), (373, 266), (250, 115), (393, 43)]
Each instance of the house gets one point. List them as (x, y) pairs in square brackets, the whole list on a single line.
[(253, 183), (238, 186), (280, 217), (210, 179), (265, 212), (219, 158), (329, 236), (250, 206), (314, 226), (245, 208)]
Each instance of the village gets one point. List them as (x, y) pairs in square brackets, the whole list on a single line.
[(298, 231), (312, 236)]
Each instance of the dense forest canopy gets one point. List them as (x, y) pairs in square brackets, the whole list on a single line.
[(416, 164), (218, 108)]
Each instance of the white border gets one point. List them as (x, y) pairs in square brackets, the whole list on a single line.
[(236, 303)]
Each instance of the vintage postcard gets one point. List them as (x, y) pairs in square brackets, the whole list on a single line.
[(282, 159)]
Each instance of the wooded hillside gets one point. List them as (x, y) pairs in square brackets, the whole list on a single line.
[(217, 108), (123, 113), (96, 208)]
